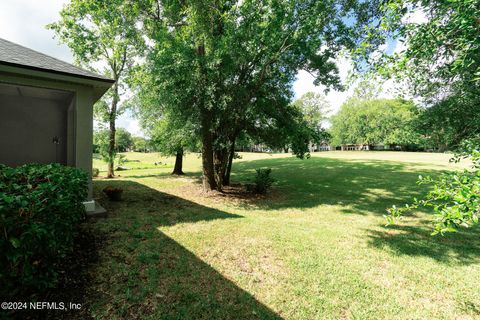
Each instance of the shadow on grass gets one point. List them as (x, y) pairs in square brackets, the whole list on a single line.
[(460, 248), (146, 274), (163, 175), (360, 187)]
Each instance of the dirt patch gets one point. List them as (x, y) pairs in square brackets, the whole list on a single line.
[(236, 194)]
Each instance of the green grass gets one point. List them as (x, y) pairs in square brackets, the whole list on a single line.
[(314, 248)]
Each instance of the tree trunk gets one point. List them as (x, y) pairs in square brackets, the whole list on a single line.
[(207, 151), (220, 165), (226, 177), (111, 142), (178, 163), (206, 119)]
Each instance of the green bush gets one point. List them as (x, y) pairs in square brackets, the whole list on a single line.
[(40, 208), (95, 172), (454, 197), (263, 181)]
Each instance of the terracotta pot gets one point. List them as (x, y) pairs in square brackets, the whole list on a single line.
[(114, 194)]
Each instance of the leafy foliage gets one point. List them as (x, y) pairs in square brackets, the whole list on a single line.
[(263, 181), (141, 144), (103, 33), (438, 57), (228, 66), (101, 141), (449, 122), (380, 121), (40, 207), (123, 140), (315, 109), (455, 196)]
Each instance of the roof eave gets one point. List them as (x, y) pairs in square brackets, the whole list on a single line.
[(22, 66), (100, 85)]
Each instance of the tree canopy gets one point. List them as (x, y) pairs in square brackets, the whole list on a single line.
[(379, 121), (228, 66), (440, 62), (123, 138), (440, 50), (102, 37)]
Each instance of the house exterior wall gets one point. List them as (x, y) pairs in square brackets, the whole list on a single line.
[(28, 126), (84, 132), (79, 127)]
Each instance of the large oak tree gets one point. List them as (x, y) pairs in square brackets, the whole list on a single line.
[(229, 65)]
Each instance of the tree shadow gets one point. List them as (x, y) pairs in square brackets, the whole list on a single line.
[(461, 248), (146, 273), (162, 175), (360, 187)]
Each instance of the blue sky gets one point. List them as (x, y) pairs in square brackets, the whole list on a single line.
[(23, 22)]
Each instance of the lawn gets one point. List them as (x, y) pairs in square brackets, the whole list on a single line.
[(316, 247)]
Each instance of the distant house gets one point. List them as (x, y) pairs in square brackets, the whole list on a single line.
[(361, 147), (46, 109), (354, 147), (321, 146)]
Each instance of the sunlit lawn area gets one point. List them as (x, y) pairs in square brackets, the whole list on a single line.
[(316, 247)]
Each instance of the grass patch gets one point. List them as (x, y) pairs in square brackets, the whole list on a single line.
[(314, 248)]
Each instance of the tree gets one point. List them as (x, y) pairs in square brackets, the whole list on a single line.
[(172, 137), (448, 123), (379, 121), (314, 108), (223, 64), (124, 141), (101, 142), (441, 63), (440, 56), (454, 196), (140, 144), (102, 33), (170, 133)]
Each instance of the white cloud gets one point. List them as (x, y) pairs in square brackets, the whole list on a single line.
[(128, 122), (304, 84), (134, 128), (417, 16), (24, 21)]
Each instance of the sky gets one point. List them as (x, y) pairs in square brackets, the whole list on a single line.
[(24, 21)]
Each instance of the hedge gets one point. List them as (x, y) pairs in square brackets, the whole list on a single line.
[(40, 208)]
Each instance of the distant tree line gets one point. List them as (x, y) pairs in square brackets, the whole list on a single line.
[(400, 124), (124, 142)]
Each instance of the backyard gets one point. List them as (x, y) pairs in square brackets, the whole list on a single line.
[(316, 246)]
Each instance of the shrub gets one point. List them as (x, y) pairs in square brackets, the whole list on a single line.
[(455, 196), (121, 160), (40, 207), (263, 181), (95, 172)]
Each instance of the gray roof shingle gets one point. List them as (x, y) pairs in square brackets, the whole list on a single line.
[(17, 55)]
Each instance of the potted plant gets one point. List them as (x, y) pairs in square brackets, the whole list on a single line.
[(114, 194)]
